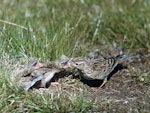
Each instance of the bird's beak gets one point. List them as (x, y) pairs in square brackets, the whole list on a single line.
[(38, 65), (67, 64)]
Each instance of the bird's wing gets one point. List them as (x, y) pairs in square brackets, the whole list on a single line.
[(32, 83), (103, 68)]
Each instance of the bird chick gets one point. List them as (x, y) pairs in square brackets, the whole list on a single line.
[(40, 77)]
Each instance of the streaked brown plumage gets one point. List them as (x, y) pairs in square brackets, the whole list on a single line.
[(99, 68)]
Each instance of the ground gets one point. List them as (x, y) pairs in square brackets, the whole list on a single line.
[(47, 29), (124, 92)]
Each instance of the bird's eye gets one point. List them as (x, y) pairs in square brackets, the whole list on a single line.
[(77, 64)]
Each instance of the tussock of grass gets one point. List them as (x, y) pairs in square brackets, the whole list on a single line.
[(56, 99), (73, 28)]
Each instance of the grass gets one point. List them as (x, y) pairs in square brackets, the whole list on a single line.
[(48, 29)]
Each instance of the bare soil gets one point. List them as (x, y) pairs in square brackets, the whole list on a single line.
[(127, 89)]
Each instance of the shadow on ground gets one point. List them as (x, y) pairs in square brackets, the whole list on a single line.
[(97, 83)]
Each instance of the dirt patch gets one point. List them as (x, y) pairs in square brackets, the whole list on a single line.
[(124, 92), (127, 90)]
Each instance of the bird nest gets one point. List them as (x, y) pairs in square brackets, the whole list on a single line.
[(93, 70)]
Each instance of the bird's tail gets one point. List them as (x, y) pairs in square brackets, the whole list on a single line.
[(124, 57)]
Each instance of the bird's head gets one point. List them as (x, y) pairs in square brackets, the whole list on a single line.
[(34, 63), (78, 63)]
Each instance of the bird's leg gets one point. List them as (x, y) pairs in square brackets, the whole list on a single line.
[(104, 82), (54, 83), (42, 90)]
